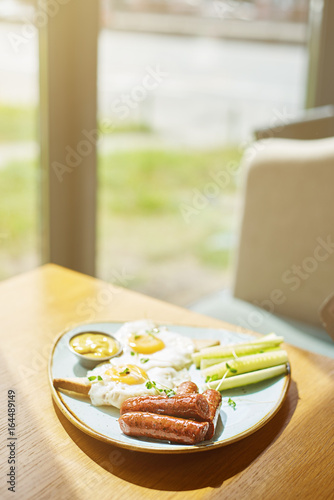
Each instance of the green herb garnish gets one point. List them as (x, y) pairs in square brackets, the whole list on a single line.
[(126, 371), (155, 386), (152, 385), (132, 353), (211, 378), (232, 403), (144, 360), (169, 392), (153, 331), (232, 370), (93, 377), (137, 336), (99, 377)]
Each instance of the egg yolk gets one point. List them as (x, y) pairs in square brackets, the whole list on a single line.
[(127, 374), (145, 343)]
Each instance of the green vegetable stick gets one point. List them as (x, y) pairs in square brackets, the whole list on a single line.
[(246, 364), (247, 378), (268, 341), (206, 362)]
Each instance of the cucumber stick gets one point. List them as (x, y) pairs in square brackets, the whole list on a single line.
[(206, 362), (246, 364), (247, 378), (254, 346)]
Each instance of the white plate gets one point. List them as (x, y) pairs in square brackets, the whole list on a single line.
[(255, 404)]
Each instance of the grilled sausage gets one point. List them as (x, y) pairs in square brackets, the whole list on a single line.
[(150, 425), (194, 406), (214, 399), (187, 388)]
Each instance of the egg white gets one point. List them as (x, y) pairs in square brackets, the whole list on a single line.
[(176, 353), (110, 392), (114, 393)]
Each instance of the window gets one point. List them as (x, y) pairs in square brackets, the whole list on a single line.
[(182, 86), (19, 151)]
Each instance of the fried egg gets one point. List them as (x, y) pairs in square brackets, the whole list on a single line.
[(152, 346), (116, 383), (153, 359)]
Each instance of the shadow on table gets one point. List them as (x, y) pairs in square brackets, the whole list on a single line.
[(186, 471), (38, 472)]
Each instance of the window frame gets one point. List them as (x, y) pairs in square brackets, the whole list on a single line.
[(68, 133)]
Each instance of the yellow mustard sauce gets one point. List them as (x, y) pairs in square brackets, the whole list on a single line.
[(94, 345)]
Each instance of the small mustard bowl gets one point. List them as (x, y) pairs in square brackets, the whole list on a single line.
[(94, 347)]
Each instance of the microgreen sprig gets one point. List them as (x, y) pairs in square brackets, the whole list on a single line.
[(94, 377), (232, 370), (232, 403), (126, 371), (150, 384)]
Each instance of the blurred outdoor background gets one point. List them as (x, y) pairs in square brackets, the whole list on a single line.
[(182, 85)]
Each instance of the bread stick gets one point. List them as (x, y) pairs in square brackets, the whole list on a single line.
[(76, 384)]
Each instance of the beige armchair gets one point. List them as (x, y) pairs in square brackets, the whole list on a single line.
[(285, 261), (286, 249)]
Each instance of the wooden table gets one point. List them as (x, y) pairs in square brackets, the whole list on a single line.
[(291, 457)]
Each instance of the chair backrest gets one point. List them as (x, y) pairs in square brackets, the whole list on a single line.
[(310, 124), (285, 260)]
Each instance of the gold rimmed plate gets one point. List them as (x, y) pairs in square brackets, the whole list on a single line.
[(255, 404)]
